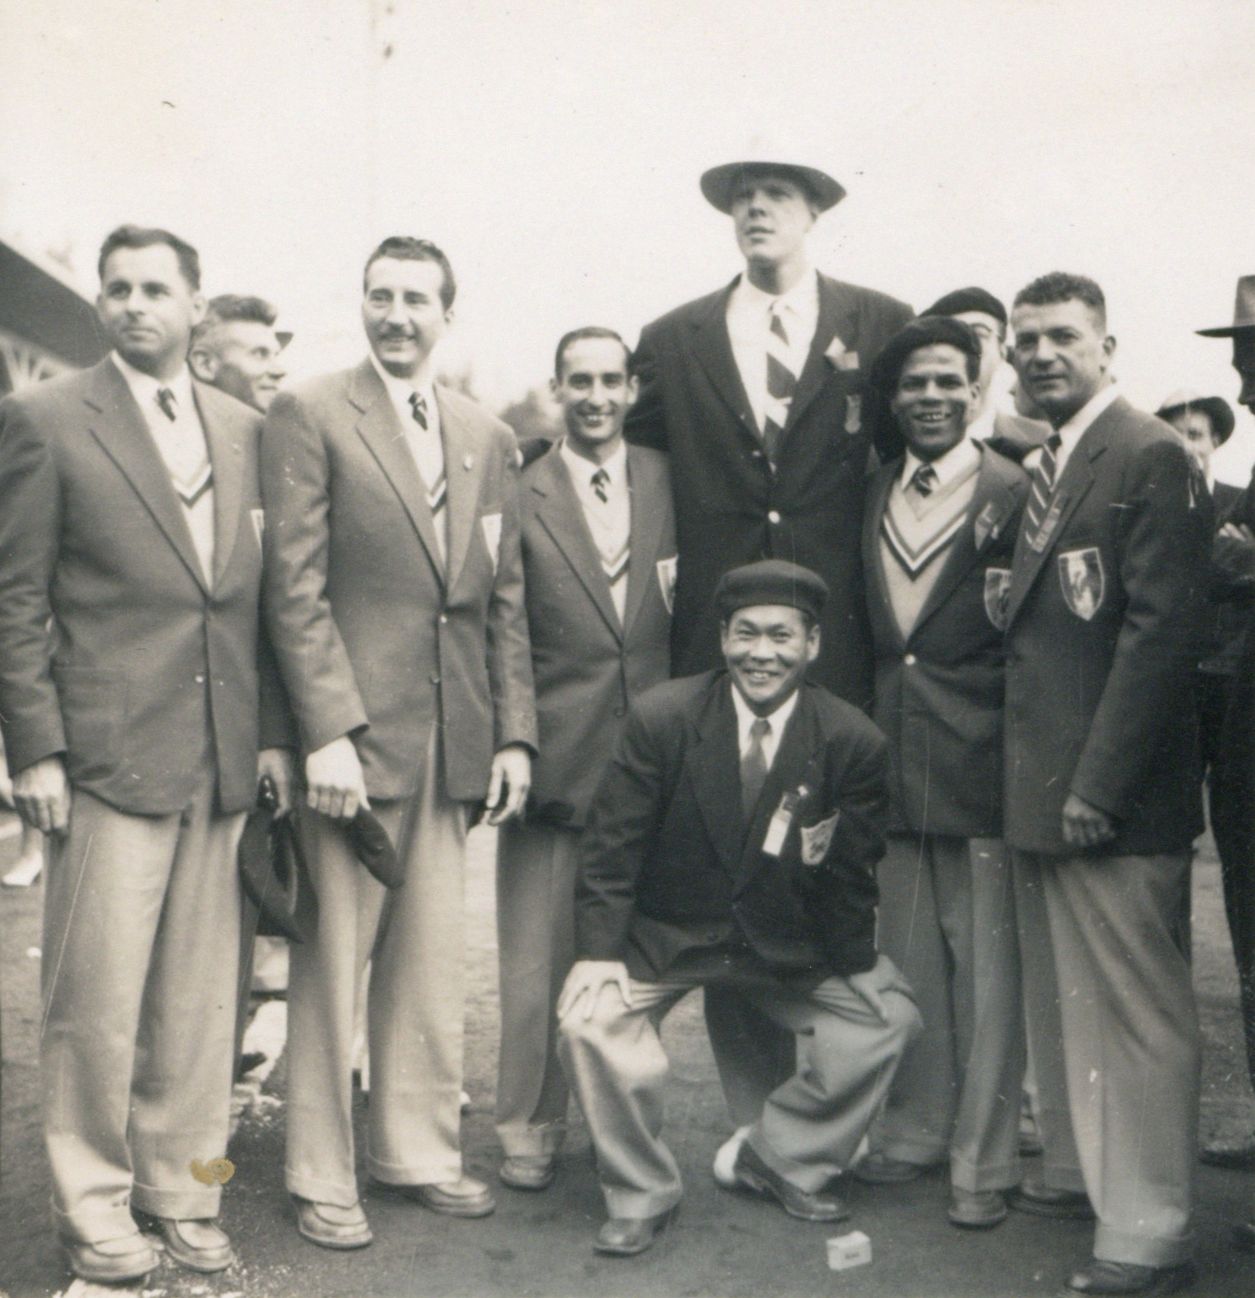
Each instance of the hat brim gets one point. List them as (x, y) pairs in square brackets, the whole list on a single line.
[(718, 183), (1218, 411), (1227, 331)]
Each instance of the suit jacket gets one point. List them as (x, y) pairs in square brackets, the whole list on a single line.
[(114, 648), (670, 877), (1014, 436), (374, 635), (587, 665), (1103, 633), (730, 508), (1231, 589), (939, 690)]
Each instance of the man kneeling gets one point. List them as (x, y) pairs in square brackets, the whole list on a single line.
[(733, 841)]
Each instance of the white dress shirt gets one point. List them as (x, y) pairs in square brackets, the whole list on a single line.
[(1075, 428), (610, 520), (181, 442), (745, 718), (749, 323), (961, 459)]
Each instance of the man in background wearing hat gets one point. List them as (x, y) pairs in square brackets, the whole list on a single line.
[(1009, 434), (937, 543), (1233, 777), (733, 843)]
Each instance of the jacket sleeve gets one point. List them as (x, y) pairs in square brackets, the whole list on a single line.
[(30, 528), (1163, 543), (646, 423), (313, 662)]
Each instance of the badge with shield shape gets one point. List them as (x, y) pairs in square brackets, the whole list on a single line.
[(1083, 581), (997, 596)]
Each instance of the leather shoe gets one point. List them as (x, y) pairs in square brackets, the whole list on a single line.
[(527, 1171), (113, 1260), (1244, 1237), (627, 1236), (331, 1226), (976, 1210), (465, 1197), (197, 1245), (880, 1169), (754, 1174), (1042, 1201), (1237, 1158), (1126, 1278)]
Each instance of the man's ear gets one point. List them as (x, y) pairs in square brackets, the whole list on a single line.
[(812, 643), (203, 364)]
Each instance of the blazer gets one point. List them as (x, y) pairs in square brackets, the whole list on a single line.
[(1231, 590), (668, 874), (1104, 623), (939, 690), (730, 508), (374, 635), (115, 650), (586, 663)]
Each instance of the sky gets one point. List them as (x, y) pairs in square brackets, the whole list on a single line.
[(553, 148)]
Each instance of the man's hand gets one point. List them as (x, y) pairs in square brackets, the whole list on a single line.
[(277, 763), (334, 780), (508, 784), (1085, 825), (863, 985), (585, 981), (41, 794), (1237, 532)]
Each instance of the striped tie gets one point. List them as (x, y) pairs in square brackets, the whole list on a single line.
[(437, 495), (781, 383), (418, 409), (600, 481), (1040, 487), (165, 399), (924, 479)]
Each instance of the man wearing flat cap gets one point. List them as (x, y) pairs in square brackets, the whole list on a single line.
[(732, 843)]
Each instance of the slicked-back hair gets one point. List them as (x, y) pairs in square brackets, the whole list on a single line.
[(403, 247), (927, 331), (588, 331), (1061, 286), (144, 236), (226, 308)]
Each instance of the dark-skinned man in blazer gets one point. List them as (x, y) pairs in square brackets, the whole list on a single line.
[(1103, 794), (937, 544)]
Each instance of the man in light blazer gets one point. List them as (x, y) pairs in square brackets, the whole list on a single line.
[(396, 609), (1103, 793), (937, 543), (598, 565), (130, 567)]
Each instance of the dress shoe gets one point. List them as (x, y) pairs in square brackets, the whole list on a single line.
[(331, 1226), (627, 1236), (1244, 1237), (1126, 1278), (724, 1167), (1042, 1201), (880, 1169), (197, 1245), (465, 1197), (754, 1174), (527, 1171), (112, 1261), (976, 1210), (1237, 1158)]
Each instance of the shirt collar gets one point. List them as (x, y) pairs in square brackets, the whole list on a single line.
[(948, 467), (802, 298), (745, 716), (582, 470), (1075, 428), (400, 389), (144, 387)]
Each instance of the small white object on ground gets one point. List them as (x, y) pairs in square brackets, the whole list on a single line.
[(845, 1251)]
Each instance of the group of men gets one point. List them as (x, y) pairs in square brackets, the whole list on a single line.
[(789, 611)]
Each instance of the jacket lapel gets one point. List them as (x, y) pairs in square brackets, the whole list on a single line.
[(836, 319), (713, 348), (562, 516), (645, 488), (379, 428), (463, 471), (118, 425), (874, 569), (715, 770), (226, 458)]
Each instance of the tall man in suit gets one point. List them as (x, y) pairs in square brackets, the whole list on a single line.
[(757, 393), (937, 543), (1102, 790), (598, 566), (732, 842), (396, 610), (130, 567)]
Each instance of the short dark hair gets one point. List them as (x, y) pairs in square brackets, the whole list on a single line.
[(1060, 286), (403, 247), (588, 331), (229, 307), (144, 236), (927, 331)]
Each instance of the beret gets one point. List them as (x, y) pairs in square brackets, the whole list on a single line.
[(968, 299), (771, 581)]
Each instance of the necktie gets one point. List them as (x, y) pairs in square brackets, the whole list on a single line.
[(1040, 487), (924, 479), (418, 409), (165, 399), (781, 383), (754, 768), (600, 481)]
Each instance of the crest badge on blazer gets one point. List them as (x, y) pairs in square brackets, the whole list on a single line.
[(997, 596), (1083, 581), (816, 839)]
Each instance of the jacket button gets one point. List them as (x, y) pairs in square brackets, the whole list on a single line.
[(444, 617), (200, 679), (434, 678), (773, 516), (909, 660)]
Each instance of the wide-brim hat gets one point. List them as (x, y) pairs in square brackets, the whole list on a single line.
[(1243, 312), (1217, 409), (719, 183)]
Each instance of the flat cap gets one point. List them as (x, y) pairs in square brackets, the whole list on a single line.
[(1217, 409), (771, 581), (968, 299)]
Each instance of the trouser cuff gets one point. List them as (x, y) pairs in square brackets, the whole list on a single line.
[(181, 1205), (1112, 1245), (532, 1142), (340, 1194)]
